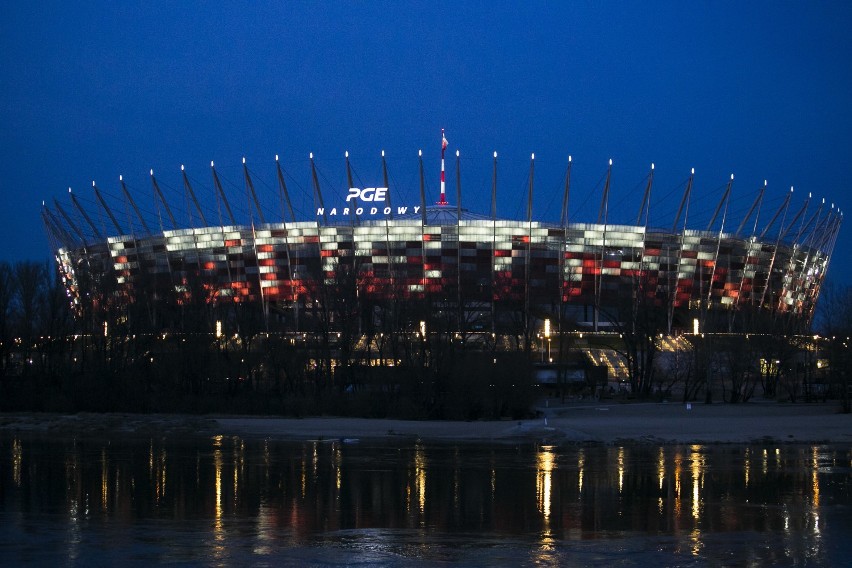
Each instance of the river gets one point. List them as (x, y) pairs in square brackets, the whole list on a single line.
[(228, 501)]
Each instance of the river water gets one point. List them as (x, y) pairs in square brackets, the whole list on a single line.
[(228, 501)]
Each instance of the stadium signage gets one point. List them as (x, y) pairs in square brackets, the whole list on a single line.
[(367, 194)]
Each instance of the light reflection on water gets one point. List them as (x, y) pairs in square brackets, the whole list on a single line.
[(227, 500)]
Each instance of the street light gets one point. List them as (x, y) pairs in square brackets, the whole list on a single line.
[(547, 336), (423, 343)]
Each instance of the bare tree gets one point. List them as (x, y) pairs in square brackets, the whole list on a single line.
[(639, 319), (6, 295), (835, 321)]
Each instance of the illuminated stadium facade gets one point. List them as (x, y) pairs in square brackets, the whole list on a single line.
[(444, 255)]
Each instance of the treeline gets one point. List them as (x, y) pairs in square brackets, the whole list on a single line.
[(169, 343), (174, 350)]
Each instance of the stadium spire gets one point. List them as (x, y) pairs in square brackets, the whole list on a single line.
[(282, 186), (564, 217), (458, 190), (351, 183), (107, 209), (133, 204), (755, 205), (723, 201), (221, 192), (317, 190), (188, 188), (604, 211), (165, 203), (443, 200), (82, 211), (250, 187), (494, 189), (646, 200), (684, 201)]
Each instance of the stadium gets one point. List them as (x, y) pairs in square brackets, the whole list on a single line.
[(483, 272)]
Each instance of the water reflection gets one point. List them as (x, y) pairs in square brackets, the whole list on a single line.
[(16, 462), (545, 464), (218, 523), (272, 494), (420, 481)]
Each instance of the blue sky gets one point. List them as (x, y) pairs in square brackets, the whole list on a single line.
[(92, 90)]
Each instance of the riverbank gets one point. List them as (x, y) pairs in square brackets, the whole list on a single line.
[(574, 423)]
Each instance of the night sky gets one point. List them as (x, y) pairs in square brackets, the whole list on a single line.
[(92, 90)]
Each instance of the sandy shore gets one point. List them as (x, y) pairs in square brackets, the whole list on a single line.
[(655, 423)]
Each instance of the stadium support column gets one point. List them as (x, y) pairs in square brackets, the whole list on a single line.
[(221, 192), (354, 205), (387, 226), (354, 225), (673, 286), (826, 246), (62, 235), (250, 193), (318, 196), (107, 209), (684, 201), (317, 190), (459, 306), (784, 206), (85, 215), (54, 233), (163, 201), (386, 183), (443, 200), (819, 236), (799, 213), (802, 213), (159, 199), (133, 204), (188, 188), (755, 205), (527, 330), (493, 250), (563, 221), (805, 246), (603, 212), (285, 199), (815, 244), (250, 187), (354, 199), (603, 215), (422, 222), (806, 226), (719, 240), (752, 247), (220, 197), (458, 188), (722, 201), (285, 195), (68, 220), (646, 201)]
